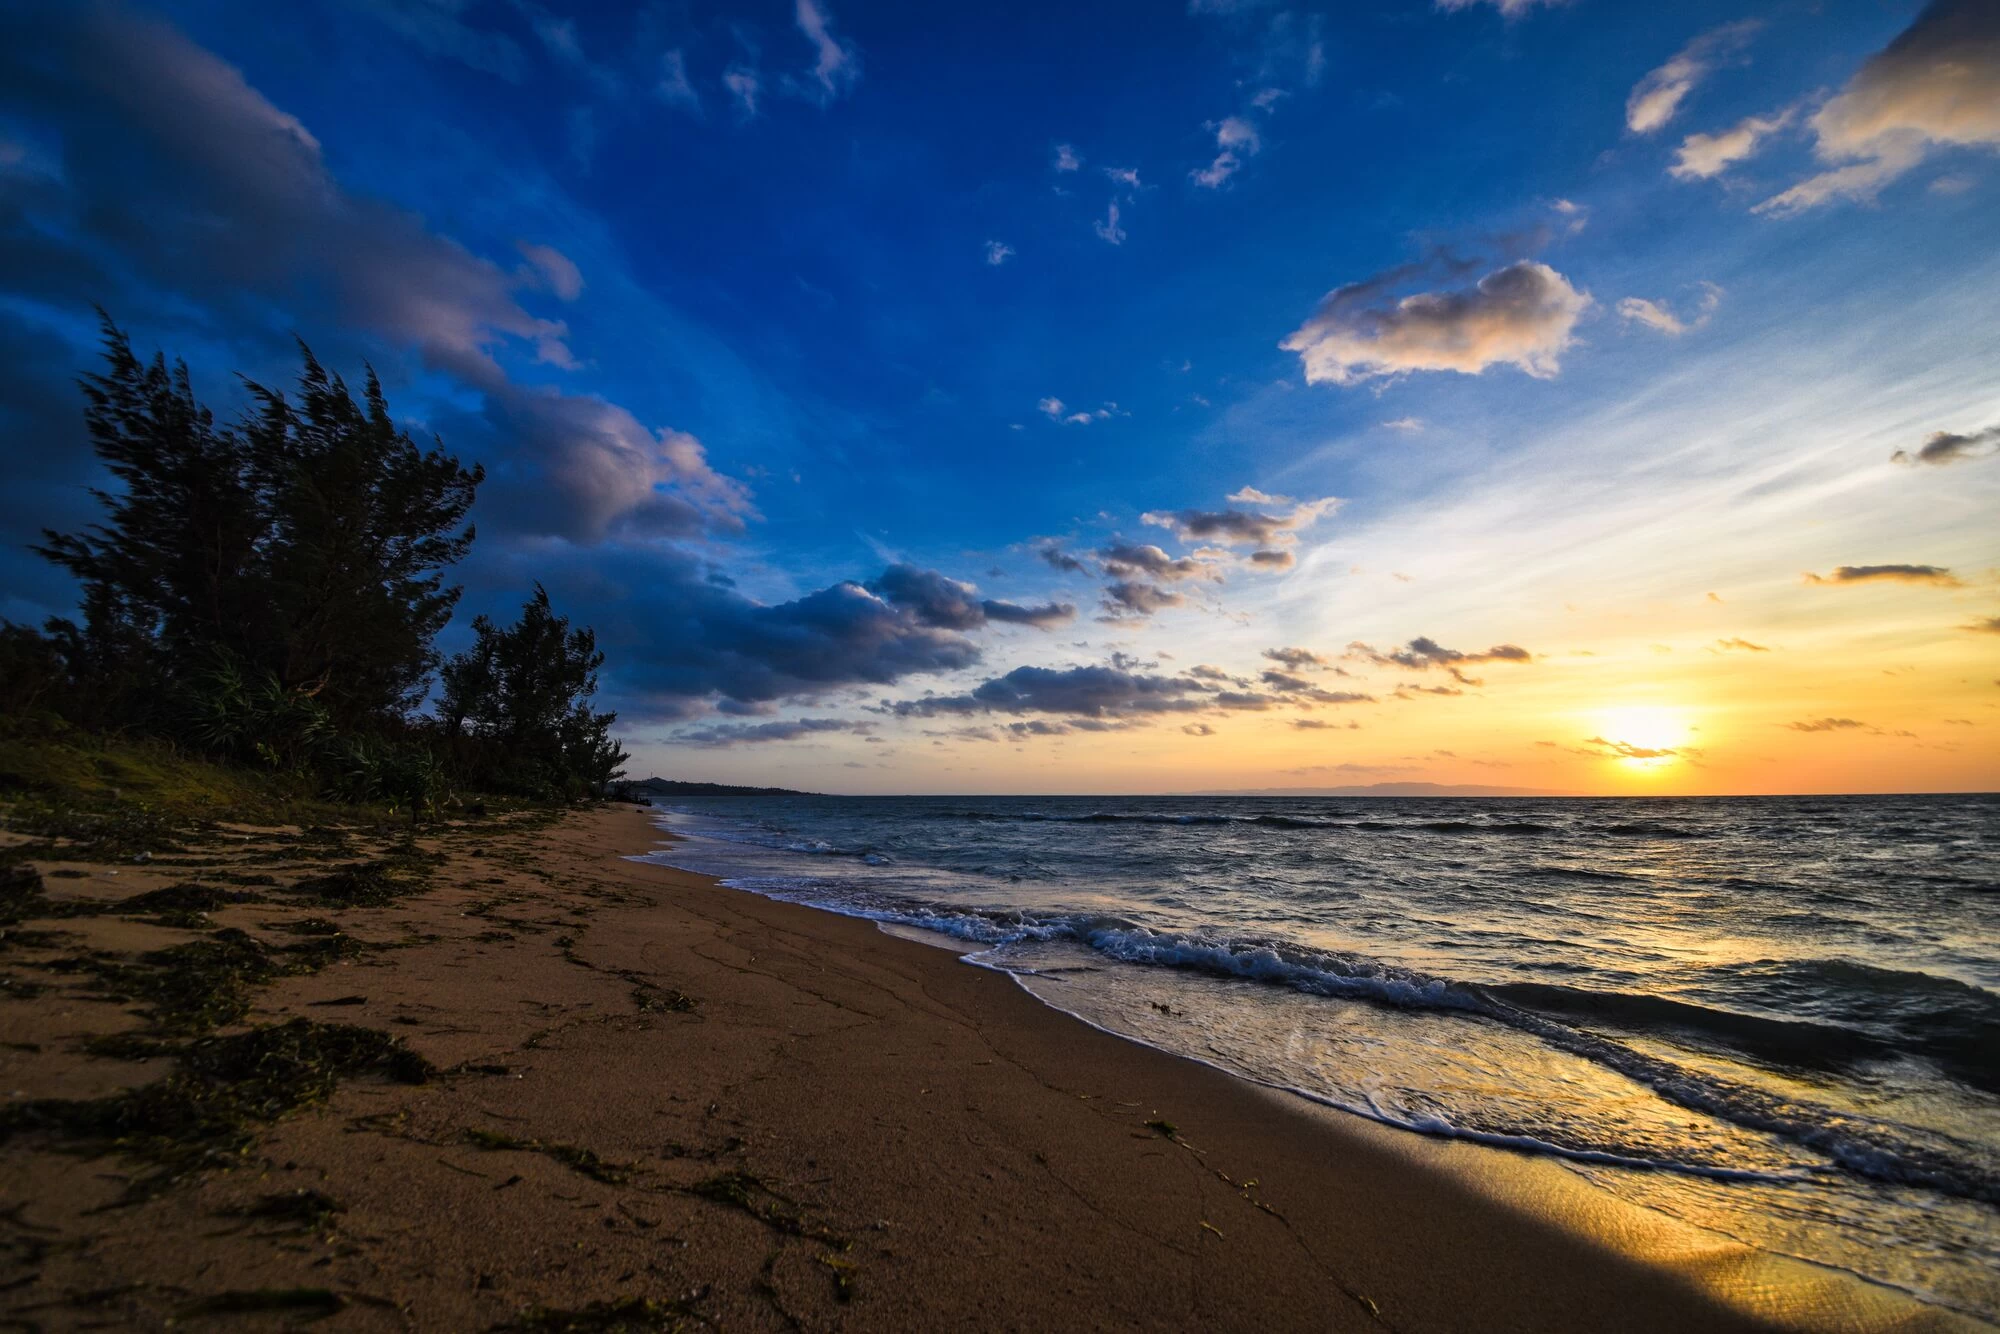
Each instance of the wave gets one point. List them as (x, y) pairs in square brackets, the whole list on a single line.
[(1866, 1147)]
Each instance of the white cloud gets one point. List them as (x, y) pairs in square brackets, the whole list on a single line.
[(1521, 316), (1235, 139), (998, 253), (1108, 227), (1066, 158), (1935, 85), (838, 64), (1659, 316), (1658, 96), (1407, 425), (1125, 176), (1702, 156)]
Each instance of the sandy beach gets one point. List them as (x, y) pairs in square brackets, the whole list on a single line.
[(642, 1096)]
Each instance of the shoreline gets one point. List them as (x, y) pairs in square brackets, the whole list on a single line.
[(661, 1095)]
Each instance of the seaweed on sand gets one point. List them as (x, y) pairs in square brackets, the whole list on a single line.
[(204, 1114)]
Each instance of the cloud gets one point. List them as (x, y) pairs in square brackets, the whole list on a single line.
[(1741, 645), (1983, 625), (1659, 95), (744, 87), (1946, 447), (1199, 729), (1905, 574), (935, 600), (1057, 558), (1044, 617), (837, 66), (1656, 315), (1625, 750), (1323, 725), (1825, 725), (1521, 316), (790, 729), (1704, 156), (1235, 139), (1244, 527), (1298, 659), (998, 253), (1108, 229), (241, 209), (1936, 85), (1406, 425), (1096, 692), (1125, 176), (1130, 558), (1273, 560), (1066, 159), (1130, 596), (1423, 653), (555, 270)]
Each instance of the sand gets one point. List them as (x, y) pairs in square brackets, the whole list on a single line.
[(754, 1115)]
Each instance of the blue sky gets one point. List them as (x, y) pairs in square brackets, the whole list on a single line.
[(747, 306)]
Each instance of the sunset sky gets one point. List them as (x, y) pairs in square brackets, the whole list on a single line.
[(1105, 397)]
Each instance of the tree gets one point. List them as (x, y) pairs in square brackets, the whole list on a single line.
[(521, 695), (305, 545)]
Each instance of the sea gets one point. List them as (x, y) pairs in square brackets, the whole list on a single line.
[(1774, 1017)]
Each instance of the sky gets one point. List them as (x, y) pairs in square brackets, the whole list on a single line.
[(1140, 397)]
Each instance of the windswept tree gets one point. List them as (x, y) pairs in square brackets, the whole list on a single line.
[(304, 547), (520, 695)]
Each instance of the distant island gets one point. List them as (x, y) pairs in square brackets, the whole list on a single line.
[(1392, 790), (670, 787)]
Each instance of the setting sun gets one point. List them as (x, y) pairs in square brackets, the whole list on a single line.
[(1644, 736)]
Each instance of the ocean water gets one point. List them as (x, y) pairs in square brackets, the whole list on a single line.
[(1775, 1017)]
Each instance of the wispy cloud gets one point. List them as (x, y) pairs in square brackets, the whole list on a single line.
[(998, 253), (1658, 96), (1704, 156), (1825, 725), (837, 64), (1235, 139), (1657, 315), (1066, 158)]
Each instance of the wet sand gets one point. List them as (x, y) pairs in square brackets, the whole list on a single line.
[(754, 1115)]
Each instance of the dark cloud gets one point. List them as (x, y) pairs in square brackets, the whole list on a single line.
[(1138, 558), (1825, 725), (1322, 725), (1062, 560), (1423, 653), (1047, 616), (1084, 692), (1199, 729), (950, 604), (676, 640), (1276, 560), (1521, 315), (1206, 672), (1286, 681), (1985, 625), (1131, 597), (1257, 528), (1741, 645), (1297, 659), (1903, 574), (1945, 447), (208, 194), (790, 729)]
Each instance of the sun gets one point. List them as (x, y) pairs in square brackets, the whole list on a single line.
[(1647, 736)]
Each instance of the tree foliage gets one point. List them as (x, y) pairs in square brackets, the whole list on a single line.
[(520, 697), (271, 591)]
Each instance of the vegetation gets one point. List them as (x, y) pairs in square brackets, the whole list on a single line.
[(269, 593)]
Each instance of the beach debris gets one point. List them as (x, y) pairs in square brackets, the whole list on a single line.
[(320, 1302), (603, 1317), (585, 1162)]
